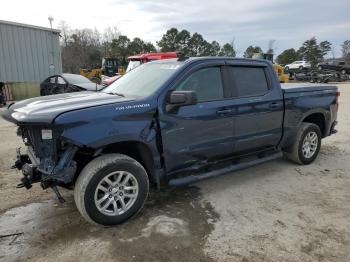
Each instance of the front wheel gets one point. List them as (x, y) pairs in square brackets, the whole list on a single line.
[(306, 145), (111, 189)]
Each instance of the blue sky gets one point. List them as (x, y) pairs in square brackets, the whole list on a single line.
[(288, 22)]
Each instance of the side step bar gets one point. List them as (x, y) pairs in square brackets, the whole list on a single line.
[(191, 179)]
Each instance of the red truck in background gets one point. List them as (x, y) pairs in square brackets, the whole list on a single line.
[(136, 60)]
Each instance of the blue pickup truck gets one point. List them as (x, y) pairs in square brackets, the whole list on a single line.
[(167, 123)]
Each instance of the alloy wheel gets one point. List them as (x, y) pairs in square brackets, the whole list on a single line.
[(116, 193)]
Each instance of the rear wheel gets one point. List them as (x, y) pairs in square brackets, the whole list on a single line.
[(306, 145), (301, 67), (111, 189), (343, 72)]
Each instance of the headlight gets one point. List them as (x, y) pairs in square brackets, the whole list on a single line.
[(18, 115)]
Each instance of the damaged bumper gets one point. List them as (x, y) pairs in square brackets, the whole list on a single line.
[(45, 172)]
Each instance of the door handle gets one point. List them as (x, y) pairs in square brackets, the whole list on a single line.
[(275, 104), (224, 111)]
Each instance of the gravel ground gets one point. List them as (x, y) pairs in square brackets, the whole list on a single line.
[(277, 211)]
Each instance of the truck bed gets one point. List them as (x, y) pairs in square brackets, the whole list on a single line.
[(306, 87)]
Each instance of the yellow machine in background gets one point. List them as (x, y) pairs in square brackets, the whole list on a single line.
[(278, 68), (93, 74), (109, 68), (121, 70), (280, 73)]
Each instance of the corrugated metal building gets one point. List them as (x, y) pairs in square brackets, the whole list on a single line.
[(28, 55)]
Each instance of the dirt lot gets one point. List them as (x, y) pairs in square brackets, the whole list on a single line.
[(278, 211)]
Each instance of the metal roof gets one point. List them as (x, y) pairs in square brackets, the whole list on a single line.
[(29, 26)]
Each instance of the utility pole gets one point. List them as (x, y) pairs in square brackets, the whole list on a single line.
[(52, 65)]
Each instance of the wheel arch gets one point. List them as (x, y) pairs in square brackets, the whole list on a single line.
[(136, 150), (318, 119)]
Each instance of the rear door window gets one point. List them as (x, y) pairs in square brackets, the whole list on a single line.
[(247, 81)]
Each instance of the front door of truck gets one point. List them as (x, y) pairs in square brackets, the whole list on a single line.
[(197, 134), (257, 108)]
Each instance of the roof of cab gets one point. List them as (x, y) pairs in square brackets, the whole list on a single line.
[(208, 58)]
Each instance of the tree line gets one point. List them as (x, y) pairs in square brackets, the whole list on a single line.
[(85, 48), (310, 50), (193, 45)]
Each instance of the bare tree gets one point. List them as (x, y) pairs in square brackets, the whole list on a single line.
[(65, 32), (109, 34)]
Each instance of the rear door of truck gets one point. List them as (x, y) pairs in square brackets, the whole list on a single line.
[(257, 106)]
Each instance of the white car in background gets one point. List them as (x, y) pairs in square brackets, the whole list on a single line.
[(298, 65)]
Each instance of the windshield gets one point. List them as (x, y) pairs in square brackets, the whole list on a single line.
[(132, 65), (109, 62), (76, 79), (143, 80)]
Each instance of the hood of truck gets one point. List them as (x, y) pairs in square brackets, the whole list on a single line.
[(45, 109)]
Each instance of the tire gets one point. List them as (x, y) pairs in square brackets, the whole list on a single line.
[(343, 72), (301, 67), (286, 68), (320, 68), (92, 179), (295, 152)]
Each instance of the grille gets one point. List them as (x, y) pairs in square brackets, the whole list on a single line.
[(42, 148)]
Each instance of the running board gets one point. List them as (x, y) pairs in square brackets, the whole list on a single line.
[(191, 179)]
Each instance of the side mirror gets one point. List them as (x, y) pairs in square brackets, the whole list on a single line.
[(182, 98)]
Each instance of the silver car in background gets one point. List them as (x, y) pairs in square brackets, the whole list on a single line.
[(298, 65)]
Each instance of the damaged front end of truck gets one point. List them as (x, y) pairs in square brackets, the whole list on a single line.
[(63, 133), (48, 159)]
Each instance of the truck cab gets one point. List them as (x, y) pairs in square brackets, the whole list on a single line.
[(109, 66)]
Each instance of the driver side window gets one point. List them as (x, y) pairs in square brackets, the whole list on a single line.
[(206, 82)]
